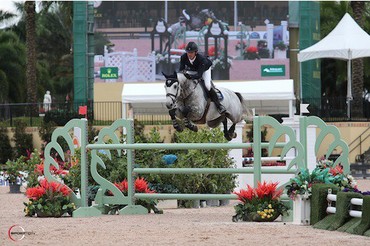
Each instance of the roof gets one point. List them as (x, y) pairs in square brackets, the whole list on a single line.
[(267, 96), (346, 41)]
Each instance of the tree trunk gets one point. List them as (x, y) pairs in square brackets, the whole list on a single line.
[(31, 54), (357, 66)]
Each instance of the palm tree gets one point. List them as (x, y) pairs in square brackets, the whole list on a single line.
[(12, 68), (5, 17), (31, 51), (358, 8)]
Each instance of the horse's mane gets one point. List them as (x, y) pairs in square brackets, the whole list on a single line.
[(181, 78)]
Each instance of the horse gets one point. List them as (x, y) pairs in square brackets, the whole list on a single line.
[(192, 22), (187, 99)]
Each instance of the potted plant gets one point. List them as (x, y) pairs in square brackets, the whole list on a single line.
[(251, 53), (300, 187), (220, 68), (261, 204), (14, 174), (48, 200), (141, 186), (280, 50)]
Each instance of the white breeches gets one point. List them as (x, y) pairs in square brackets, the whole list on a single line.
[(207, 79)]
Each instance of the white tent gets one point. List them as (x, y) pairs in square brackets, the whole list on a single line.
[(346, 41), (265, 96)]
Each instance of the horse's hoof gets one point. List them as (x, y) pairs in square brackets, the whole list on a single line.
[(228, 138), (195, 129), (234, 135), (179, 129)]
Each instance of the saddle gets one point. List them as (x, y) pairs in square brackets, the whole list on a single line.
[(205, 92)]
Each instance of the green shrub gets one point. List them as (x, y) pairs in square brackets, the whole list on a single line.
[(45, 131), (60, 117), (23, 140), (6, 151), (203, 158)]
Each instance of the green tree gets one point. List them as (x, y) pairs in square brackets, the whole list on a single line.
[(358, 8), (12, 68)]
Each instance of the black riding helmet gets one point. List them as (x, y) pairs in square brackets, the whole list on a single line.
[(191, 47)]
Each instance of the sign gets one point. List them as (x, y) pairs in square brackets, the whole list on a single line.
[(303, 108), (109, 72), (272, 70)]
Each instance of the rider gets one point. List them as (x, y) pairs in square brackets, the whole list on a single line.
[(199, 67)]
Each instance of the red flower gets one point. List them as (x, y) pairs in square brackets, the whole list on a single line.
[(252, 49), (35, 193), (122, 186), (46, 187), (246, 195), (268, 190), (141, 185), (40, 169), (211, 51), (65, 190), (336, 170)]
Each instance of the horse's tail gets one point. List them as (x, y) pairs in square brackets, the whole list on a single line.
[(247, 113)]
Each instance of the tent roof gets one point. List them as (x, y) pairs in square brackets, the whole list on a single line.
[(267, 96), (346, 41)]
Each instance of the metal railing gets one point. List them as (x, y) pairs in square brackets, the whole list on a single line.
[(334, 109), (104, 113), (100, 113)]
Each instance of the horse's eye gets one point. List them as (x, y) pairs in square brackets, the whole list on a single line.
[(175, 86)]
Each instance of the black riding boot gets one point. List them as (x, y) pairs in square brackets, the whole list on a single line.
[(214, 98)]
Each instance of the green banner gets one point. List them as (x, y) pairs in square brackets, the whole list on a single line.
[(309, 34), (109, 72), (272, 70)]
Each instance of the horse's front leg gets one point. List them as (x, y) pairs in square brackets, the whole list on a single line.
[(190, 125), (232, 132), (188, 122), (175, 124), (226, 132)]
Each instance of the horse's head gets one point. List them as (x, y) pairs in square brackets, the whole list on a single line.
[(172, 87)]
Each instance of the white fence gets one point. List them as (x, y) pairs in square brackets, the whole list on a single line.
[(131, 68)]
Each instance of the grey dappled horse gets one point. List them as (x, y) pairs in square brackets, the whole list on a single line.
[(186, 99)]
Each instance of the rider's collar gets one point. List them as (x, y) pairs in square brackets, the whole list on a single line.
[(192, 60)]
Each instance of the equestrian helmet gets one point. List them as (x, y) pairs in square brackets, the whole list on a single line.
[(191, 47)]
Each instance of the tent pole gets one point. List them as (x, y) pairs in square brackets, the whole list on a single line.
[(349, 88), (300, 82)]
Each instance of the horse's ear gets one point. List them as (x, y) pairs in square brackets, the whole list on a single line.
[(174, 74), (165, 75)]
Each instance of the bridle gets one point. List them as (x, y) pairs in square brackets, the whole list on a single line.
[(169, 83)]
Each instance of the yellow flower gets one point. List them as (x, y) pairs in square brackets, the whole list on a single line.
[(270, 206)]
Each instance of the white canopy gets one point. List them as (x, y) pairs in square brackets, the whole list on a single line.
[(266, 96), (346, 41)]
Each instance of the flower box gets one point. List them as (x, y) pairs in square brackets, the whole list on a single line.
[(301, 210), (220, 74), (279, 54)]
